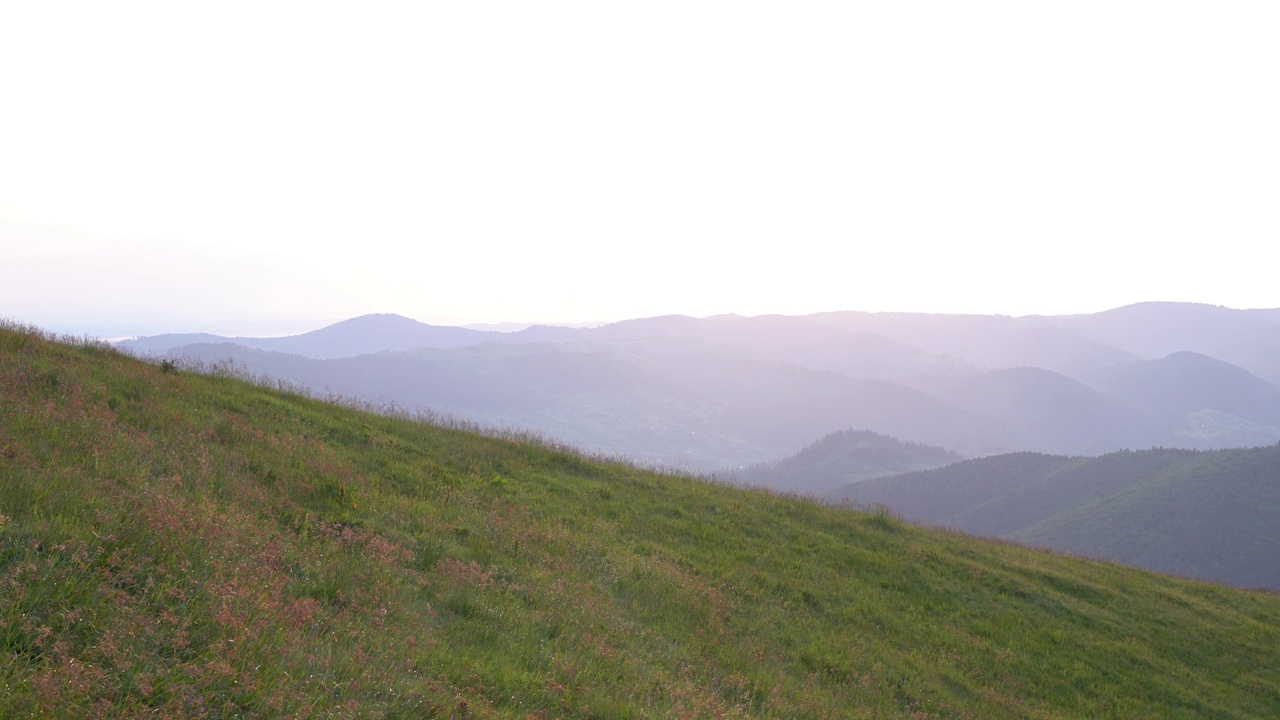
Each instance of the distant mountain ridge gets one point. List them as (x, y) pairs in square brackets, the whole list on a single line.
[(733, 391), (358, 336), (1248, 338)]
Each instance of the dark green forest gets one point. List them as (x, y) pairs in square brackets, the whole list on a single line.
[(1213, 515)]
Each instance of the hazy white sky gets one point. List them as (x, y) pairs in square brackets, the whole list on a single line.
[(262, 167)]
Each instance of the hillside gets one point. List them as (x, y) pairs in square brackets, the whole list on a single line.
[(844, 457), (1208, 515), (191, 546)]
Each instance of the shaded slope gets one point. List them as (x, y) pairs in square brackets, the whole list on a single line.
[(184, 546), (1210, 515), (938, 496), (844, 457), (1221, 507)]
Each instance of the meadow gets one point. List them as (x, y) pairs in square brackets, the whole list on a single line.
[(189, 544)]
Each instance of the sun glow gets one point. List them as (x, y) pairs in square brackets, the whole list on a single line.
[(569, 162)]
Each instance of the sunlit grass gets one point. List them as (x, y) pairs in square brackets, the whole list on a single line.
[(176, 544)]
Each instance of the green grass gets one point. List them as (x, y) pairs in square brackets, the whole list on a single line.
[(183, 545)]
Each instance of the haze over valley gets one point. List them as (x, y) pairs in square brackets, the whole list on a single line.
[(725, 392), (666, 359)]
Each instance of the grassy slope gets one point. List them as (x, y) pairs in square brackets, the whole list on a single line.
[(193, 546)]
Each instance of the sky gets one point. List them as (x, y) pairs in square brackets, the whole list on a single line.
[(260, 168)]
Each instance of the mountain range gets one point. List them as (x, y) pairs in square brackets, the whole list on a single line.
[(724, 392)]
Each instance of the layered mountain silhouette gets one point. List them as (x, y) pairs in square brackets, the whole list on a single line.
[(730, 391), (1248, 338), (665, 401)]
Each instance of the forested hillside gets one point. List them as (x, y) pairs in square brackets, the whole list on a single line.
[(1210, 515)]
